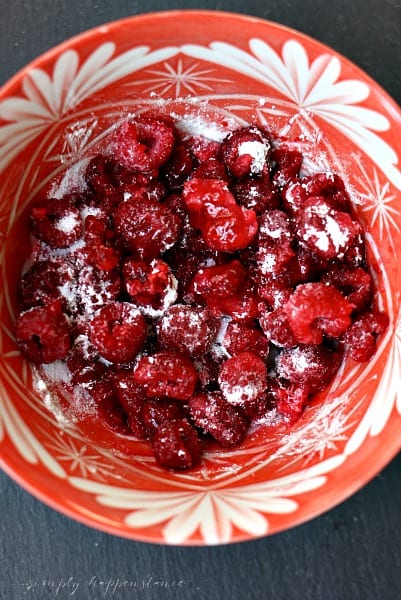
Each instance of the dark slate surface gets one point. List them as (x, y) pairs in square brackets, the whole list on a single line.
[(351, 553)]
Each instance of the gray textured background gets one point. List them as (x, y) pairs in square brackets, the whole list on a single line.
[(351, 553)]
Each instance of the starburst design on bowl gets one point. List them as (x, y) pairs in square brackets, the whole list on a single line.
[(179, 79)]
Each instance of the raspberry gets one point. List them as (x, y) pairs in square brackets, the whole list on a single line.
[(176, 445), (316, 309), (259, 194), (231, 231), (312, 365), (56, 222), (292, 399), (109, 411), (187, 329), (276, 327), (219, 280), (146, 228), (241, 307), (327, 232), (166, 374), (360, 338), (275, 243), (82, 361), (211, 169), (206, 198), (204, 149), (224, 422), (354, 283), (144, 144), (275, 291), (131, 398), (331, 187), (93, 289), (98, 251), (287, 164), (147, 283), (156, 411), (178, 168), (225, 226), (240, 338), (43, 334), (43, 283), (118, 331), (245, 151), (99, 175), (243, 378)]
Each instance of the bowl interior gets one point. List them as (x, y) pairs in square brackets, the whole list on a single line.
[(56, 113)]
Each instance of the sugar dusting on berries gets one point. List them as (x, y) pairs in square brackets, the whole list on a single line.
[(188, 284)]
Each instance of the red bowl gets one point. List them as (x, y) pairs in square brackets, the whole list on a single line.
[(212, 71)]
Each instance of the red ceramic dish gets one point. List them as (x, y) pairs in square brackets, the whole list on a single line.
[(55, 112)]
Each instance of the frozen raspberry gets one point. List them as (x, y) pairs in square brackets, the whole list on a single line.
[(206, 198), (313, 365), (360, 338), (99, 175), (147, 283), (98, 250), (224, 422), (243, 378), (219, 280), (187, 329), (275, 240), (204, 149), (118, 331), (131, 398), (156, 411), (176, 445), (43, 334), (276, 327), (43, 283), (259, 194), (225, 225), (56, 222), (327, 186), (178, 167), (231, 231), (274, 291), (316, 309), (331, 187), (355, 256), (108, 408), (83, 363), (93, 288), (292, 399), (240, 338), (287, 164), (327, 232), (166, 374), (144, 144), (245, 151), (304, 266), (211, 169), (354, 283), (146, 228), (241, 307)]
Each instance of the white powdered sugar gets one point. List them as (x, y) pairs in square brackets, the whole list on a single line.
[(67, 223), (258, 151)]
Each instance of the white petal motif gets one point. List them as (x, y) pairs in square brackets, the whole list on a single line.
[(312, 86)]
